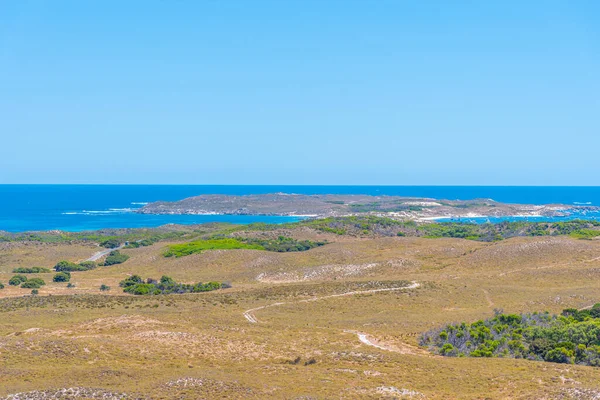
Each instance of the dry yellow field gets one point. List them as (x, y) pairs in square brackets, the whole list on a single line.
[(314, 345)]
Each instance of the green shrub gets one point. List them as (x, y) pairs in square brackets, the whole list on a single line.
[(104, 288), (88, 265), (1, 285), (136, 285), (67, 266), (70, 285), (62, 277), (110, 243), (115, 257), (33, 283), (573, 337), (30, 270), (35, 292), (17, 280)]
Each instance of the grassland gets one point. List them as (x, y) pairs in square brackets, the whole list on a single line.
[(312, 344)]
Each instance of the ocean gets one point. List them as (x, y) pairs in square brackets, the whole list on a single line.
[(90, 207)]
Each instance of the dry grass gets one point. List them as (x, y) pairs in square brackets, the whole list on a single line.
[(200, 345)]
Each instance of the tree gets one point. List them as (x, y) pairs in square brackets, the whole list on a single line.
[(104, 288), (35, 292)]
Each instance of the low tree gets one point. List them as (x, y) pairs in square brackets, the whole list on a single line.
[(104, 288)]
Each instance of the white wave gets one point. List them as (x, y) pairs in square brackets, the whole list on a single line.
[(139, 203), (587, 203)]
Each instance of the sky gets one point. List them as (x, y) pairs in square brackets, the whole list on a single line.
[(399, 92)]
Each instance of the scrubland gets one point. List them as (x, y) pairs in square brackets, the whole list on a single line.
[(84, 343)]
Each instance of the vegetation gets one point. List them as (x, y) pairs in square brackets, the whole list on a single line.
[(35, 292), (111, 243), (1, 285), (573, 337), (283, 244), (30, 270), (17, 280), (136, 285), (198, 246), (62, 277), (381, 226), (104, 288), (67, 266), (33, 283), (115, 257)]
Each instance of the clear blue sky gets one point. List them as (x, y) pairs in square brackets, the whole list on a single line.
[(300, 92)]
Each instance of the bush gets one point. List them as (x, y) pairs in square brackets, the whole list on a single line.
[(132, 280), (17, 280), (115, 257), (1, 285), (67, 266), (573, 337), (33, 283), (30, 270), (104, 288), (110, 243), (70, 285), (135, 285), (88, 265), (62, 277), (35, 292)]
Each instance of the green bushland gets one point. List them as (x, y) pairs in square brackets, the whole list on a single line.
[(67, 266), (198, 246), (572, 337), (33, 283), (382, 226), (166, 285), (17, 280), (115, 257), (30, 270), (64, 276)]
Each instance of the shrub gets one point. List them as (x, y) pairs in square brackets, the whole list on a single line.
[(88, 265), (132, 280), (33, 283), (62, 277), (30, 270), (1, 285), (67, 266), (571, 338), (104, 288), (115, 257), (17, 280), (35, 292), (110, 243), (135, 285), (70, 285)]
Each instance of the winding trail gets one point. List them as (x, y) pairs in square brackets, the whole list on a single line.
[(249, 314)]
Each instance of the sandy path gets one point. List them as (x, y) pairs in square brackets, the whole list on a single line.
[(249, 314), (103, 253)]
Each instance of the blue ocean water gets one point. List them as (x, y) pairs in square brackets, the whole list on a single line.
[(89, 207)]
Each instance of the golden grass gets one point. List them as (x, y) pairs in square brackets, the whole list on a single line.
[(200, 345)]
